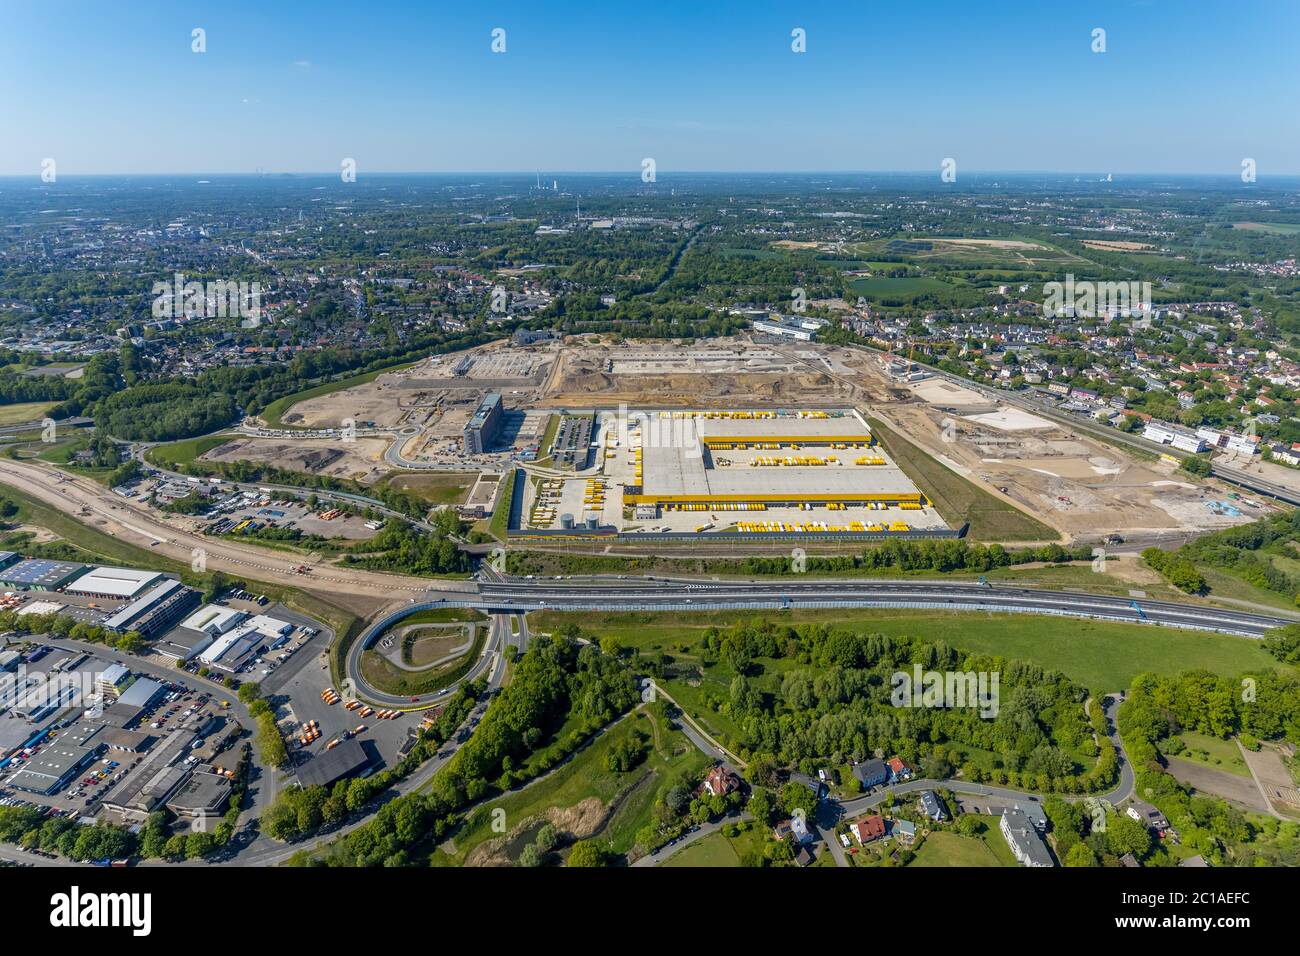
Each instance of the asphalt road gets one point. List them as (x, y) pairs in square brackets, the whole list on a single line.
[(673, 595), (94, 505), (499, 637)]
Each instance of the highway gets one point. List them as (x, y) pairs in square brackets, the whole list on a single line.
[(678, 595)]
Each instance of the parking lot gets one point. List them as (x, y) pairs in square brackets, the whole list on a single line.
[(298, 690)]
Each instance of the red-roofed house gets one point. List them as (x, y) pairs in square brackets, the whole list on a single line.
[(898, 770), (868, 829), (720, 781)]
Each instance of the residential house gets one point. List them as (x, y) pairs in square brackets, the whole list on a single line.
[(871, 773), (868, 829), (796, 827), (1147, 815), (932, 807), (904, 831), (1023, 839), (721, 781)]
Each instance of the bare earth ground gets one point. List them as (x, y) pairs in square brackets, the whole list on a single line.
[(1272, 776), (582, 381), (360, 460), (1219, 783), (1077, 485)]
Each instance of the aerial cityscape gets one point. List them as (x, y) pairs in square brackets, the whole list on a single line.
[(625, 489)]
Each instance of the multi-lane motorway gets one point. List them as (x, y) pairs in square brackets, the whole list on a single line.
[(509, 599), (685, 595)]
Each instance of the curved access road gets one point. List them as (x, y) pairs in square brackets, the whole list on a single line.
[(500, 635)]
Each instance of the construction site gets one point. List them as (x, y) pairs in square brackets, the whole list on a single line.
[(1076, 484), (761, 437)]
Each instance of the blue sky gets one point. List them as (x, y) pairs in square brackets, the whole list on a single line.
[(1184, 86)]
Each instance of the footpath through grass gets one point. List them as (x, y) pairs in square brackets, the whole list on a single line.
[(583, 796)]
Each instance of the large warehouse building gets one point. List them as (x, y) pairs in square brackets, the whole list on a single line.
[(38, 574), (720, 460), (113, 584)]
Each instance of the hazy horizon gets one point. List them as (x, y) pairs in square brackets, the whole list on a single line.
[(411, 88)]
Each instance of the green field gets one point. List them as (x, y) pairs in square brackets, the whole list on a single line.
[(890, 291), (1272, 228), (384, 675), (1212, 752), (498, 524), (438, 488), (548, 439), (185, 452), (1008, 253), (945, 848), (1100, 655), (24, 412), (713, 850), (958, 500)]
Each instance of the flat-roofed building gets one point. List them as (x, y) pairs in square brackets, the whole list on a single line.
[(142, 694), (231, 650), (155, 610), (484, 424), (214, 619), (116, 584), (38, 574), (346, 760), (201, 797), (126, 741), (790, 467), (153, 781), (112, 680), (49, 771), (182, 644)]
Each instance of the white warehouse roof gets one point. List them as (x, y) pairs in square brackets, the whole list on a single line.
[(117, 582), (214, 619)]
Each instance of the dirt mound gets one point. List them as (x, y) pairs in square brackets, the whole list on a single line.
[(575, 823)]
